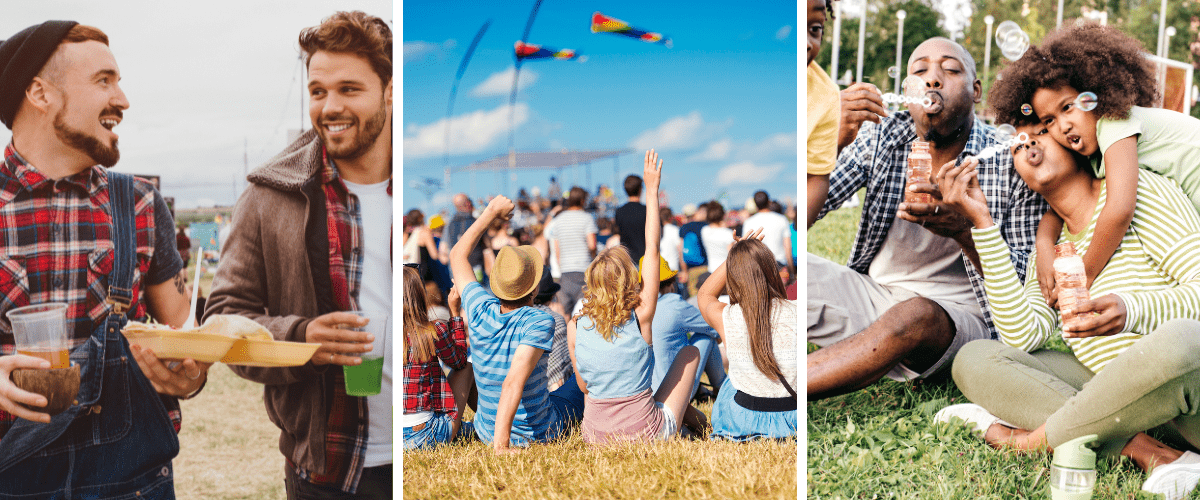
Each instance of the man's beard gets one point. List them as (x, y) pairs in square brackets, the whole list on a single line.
[(363, 140), (89, 145)]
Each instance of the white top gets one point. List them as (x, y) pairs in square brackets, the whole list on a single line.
[(776, 230), (548, 232), (571, 228), (716, 241), (671, 246), (743, 374), (929, 265), (376, 295)]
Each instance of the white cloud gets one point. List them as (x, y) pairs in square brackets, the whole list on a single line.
[(716, 151), (783, 32), (418, 50), (773, 146), (500, 83), (746, 172), (469, 133), (680, 132)]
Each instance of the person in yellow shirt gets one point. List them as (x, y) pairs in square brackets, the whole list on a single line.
[(824, 106)]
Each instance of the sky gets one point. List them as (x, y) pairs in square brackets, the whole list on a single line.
[(719, 107), (212, 86)]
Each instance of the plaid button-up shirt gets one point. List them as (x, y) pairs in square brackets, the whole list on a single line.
[(878, 160), (56, 246), (425, 387), (346, 428)]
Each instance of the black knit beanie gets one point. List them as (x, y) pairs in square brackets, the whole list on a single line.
[(22, 58)]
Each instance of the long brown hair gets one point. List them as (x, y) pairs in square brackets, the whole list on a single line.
[(418, 330), (612, 293), (756, 288)]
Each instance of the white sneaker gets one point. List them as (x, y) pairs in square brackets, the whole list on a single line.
[(1176, 479), (971, 415)]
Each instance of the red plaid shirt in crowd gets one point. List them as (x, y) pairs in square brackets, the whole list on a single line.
[(425, 387), (56, 246)]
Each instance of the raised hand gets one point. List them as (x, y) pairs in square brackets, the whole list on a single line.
[(501, 206), (961, 191), (652, 169), (861, 102), (756, 234)]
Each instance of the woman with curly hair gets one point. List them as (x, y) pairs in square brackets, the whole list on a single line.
[(433, 407), (1123, 132), (610, 338), (758, 326)]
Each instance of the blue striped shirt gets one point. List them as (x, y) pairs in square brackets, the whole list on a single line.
[(494, 340)]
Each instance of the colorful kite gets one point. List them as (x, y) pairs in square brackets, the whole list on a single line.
[(530, 51), (604, 24)]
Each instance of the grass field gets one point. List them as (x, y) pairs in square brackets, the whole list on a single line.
[(569, 468), (229, 450), (881, 442)]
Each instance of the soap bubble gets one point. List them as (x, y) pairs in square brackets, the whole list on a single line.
[(1011, 40), (1086, 101), (1026, 109), (893, 72), (1005, 131), (913, 86)]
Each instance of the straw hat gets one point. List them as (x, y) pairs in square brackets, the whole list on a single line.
[(664, 270), (516, 272)]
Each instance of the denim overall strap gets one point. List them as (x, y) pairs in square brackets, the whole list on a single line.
[(117, 441)]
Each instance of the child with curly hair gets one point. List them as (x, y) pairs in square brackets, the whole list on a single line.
[(1122, 133)]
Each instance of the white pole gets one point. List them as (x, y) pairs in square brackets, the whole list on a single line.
[(1167, 46), (1058, 17), (987, 56), (1162, 27), (862, 37), (837, 40), (900, 15)]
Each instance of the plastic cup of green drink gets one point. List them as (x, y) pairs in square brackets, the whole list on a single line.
[(366, 378)]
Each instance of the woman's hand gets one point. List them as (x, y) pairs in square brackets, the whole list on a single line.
[(651, 169), (1104, 315), (454, 302), (757, 234), (961, 192)]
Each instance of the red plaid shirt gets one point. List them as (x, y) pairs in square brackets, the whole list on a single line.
[(56, 246), (425, 387), (346, 429)]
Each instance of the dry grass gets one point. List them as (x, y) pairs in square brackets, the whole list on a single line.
[(570, 469), (229, 449)]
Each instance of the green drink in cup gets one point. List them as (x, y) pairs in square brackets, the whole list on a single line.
[(366, 378)]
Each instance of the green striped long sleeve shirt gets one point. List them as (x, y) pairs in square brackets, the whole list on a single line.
[(1155, 271)]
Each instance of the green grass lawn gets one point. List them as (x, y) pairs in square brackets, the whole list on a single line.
[(881, 442)]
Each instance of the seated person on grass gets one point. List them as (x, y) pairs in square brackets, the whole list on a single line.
[(508, 338), (610, 345), (1133, 363), (433, 407), (758, 398), (674, 318)]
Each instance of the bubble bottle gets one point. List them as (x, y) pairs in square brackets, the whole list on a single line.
[(920, 167), (1072, 280), (1073, 470)]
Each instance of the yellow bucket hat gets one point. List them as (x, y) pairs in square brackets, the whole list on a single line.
[(664, 270)]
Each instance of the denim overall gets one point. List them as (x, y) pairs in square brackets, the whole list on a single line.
[(116, 441)]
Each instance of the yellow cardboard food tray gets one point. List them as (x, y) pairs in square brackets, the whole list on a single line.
[(270, 353), (172, 344)]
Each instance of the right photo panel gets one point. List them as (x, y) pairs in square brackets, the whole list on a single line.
[(986, 317), (599, 245)]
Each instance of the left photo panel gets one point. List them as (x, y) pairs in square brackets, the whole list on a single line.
[(195, 250)]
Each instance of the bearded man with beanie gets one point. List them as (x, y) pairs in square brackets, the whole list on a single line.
[(508, 338), (102, 242), (311, 239)]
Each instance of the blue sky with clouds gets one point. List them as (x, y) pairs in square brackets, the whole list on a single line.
[(719, 107)]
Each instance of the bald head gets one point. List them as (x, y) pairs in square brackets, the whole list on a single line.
[(462, 202), (946, 46)]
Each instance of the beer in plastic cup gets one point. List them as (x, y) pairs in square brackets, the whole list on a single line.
[(41, 331)]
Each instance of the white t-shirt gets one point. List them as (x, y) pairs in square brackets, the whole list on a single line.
[(716, 241), (776, 229), (924, 263), (571, 229), (671, 245), (375, 294)]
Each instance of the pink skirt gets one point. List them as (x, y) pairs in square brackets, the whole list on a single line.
[(617, 420)]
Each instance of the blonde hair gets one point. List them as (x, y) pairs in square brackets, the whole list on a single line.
[(612, 292), (419, 334)]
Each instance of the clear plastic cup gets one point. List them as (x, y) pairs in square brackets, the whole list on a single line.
[(41, 331), (366, 378)]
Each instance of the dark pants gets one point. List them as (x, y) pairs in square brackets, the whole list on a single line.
[(375, 484)]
